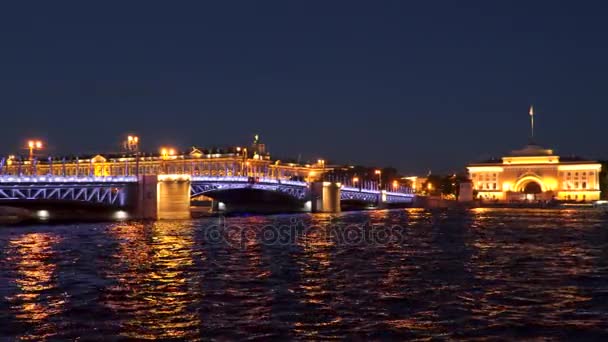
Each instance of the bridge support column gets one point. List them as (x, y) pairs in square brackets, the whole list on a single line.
[(215, 206), (163, 197), (382, 200), (325, 197)]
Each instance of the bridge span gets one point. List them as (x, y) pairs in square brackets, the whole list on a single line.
[(167, 196)]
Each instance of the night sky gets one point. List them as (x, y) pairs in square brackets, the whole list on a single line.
[(416, 85)]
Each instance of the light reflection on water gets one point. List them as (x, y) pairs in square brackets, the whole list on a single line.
[(34, 299), (483, 273)]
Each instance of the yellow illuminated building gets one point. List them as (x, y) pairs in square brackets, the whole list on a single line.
[(536, 174)]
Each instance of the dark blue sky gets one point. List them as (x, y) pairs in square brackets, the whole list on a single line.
[(417, 85)]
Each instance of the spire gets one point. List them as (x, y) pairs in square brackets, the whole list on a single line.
[(531, 124)]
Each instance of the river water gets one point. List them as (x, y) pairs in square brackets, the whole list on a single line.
[(400, 274)]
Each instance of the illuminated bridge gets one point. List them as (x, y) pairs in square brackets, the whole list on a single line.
[(162, 186)]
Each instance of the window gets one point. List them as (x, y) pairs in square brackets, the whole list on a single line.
[(494, 186), (584, 185), (576, 185)]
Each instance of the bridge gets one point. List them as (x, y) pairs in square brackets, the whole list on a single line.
[(162, 186)]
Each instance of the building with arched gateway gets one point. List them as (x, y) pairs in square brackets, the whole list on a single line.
[(536, 174)]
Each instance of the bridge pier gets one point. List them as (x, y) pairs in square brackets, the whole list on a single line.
[(382, 200), (325, 197), (162, 197), (215, 206)]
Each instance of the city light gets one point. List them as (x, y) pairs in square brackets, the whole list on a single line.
[(43, 214), (121, 215), (132, 143), (34, 145), (166, 152), (379, 173)]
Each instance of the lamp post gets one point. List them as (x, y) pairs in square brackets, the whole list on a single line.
[(33, 145), (244, 163), (357, 183), (379, 173), (132, 145), (165, 153)]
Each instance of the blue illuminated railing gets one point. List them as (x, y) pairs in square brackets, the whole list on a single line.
[(67, 179), (242, 179)]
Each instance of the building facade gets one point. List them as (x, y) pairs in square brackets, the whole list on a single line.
[(536, 174)]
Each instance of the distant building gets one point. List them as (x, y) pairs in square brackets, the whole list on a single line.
[(535, 173), (417, 183), (257, 146)]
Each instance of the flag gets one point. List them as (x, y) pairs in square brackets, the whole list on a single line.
[(531, 110)]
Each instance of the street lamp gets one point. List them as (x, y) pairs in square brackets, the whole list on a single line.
[(244, 162), (379, 173), (395, 185), (132, 145), (356, 182), (165, 153), (34, 145)]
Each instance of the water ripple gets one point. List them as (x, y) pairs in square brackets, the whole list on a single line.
[(402, 274)]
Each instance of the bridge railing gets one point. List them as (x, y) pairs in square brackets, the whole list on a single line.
[(133, 179), (67, 179), (247, 179), (373, 191)]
